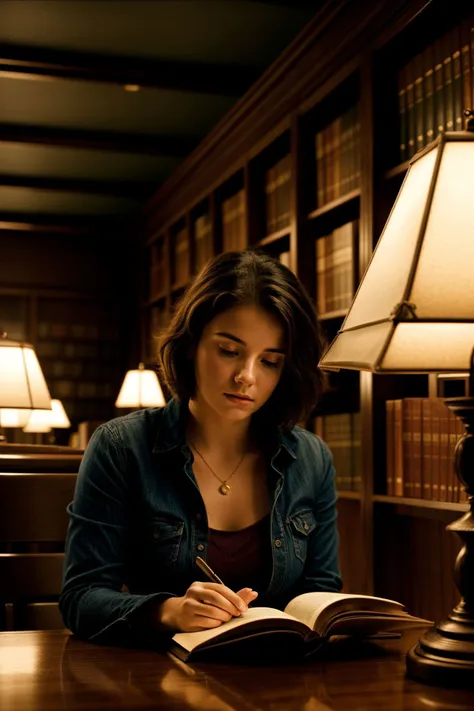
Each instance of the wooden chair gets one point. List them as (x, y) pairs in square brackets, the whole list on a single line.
[(39, 458), (33, 525)]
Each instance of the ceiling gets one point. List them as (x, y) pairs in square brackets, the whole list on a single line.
[(101, 100)]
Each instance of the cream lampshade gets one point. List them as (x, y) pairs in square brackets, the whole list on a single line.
[(414, 309), (39, 421), (22, 383), (46, 420), (58, 417), (414, 313), (140, 388), (10, 417)]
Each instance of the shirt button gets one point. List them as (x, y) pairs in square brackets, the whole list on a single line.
[(278, 543), (305, 526), (200, 547)]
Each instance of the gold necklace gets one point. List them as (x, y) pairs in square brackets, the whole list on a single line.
[(224, 487)]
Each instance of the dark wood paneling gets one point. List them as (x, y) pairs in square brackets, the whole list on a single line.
[(52, 261), (351, 543), (33, 506), (40, 463), (415, 561)]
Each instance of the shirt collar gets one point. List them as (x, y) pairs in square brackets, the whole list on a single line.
[(171, 431)]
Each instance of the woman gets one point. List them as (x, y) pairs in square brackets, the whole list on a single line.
[(221, 472)]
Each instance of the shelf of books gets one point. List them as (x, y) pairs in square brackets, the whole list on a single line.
[(315, 189)]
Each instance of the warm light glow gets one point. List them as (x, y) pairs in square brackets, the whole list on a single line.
[(58, 416), (18, 659), (22, 383), (10, 417), (386, 278), (424, 259), (140, 388), (39, 421)]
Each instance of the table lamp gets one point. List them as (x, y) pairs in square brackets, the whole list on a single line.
[(41, 421), (10, 417), (140, 388), (414, 313), (22, 384)]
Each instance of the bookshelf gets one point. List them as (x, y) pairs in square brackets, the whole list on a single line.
[(320, 147)]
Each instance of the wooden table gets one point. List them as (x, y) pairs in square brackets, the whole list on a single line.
[(48, 671)]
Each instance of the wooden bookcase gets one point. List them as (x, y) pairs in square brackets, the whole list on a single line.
[(339, 90)]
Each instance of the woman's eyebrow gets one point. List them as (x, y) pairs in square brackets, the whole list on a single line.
[(231, 337)]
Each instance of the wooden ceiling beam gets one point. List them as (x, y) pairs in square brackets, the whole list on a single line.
[(12, 225), (128, 72), (148, 144), (71, 185), (12, 222)]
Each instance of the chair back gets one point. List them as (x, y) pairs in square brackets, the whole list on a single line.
[(33, 525)]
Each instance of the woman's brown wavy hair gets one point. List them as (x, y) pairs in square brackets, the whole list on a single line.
[(249, 278)]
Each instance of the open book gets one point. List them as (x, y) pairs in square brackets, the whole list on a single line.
[(307, 621)]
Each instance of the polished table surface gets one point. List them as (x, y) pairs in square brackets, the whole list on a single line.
[(48, 671)]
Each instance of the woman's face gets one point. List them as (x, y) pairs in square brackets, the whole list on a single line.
[(239, 361)]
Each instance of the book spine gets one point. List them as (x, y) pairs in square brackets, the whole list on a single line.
[(457, 80), (411, 125), (426, 465), (466, 67), (402, 113), (419, 108), (390, 448), (428, 95), (398, 447), (448, 83), (438, 92)]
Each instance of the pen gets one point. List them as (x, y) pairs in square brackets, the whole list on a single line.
[(208, 571)]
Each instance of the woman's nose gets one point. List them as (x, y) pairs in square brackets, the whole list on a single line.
[(246, 374)]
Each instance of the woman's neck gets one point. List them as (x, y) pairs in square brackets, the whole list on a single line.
[(208, 431)]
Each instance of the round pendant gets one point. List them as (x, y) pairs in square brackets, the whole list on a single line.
[(224, 488)]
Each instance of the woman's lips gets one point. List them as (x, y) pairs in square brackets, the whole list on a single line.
[(238, 399)]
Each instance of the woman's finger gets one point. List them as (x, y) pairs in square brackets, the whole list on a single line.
[(218, 595), (203, 609), (248, 595)]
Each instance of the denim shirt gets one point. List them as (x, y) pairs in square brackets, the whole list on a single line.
[(138, 521)]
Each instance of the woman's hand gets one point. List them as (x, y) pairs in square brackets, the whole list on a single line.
[(204, 606)]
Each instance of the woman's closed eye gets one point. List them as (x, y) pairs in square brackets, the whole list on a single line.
[(232, 353), (270, 363), (227, 352)]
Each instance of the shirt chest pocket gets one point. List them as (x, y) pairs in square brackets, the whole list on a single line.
[(163, 539), (301, 525)]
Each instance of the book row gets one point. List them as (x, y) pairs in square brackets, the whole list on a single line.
[(434, 88), (422, 434), (85, 390), (342, 434), (70, 349), (74, 369), (335, 268), (338, 153), (278, 195)]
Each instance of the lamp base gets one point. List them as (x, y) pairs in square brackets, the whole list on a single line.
[(444, 656)]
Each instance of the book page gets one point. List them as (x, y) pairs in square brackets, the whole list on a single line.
[(309, 606), (252, 620)]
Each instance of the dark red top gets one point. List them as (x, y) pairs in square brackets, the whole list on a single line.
[(242, 559)]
